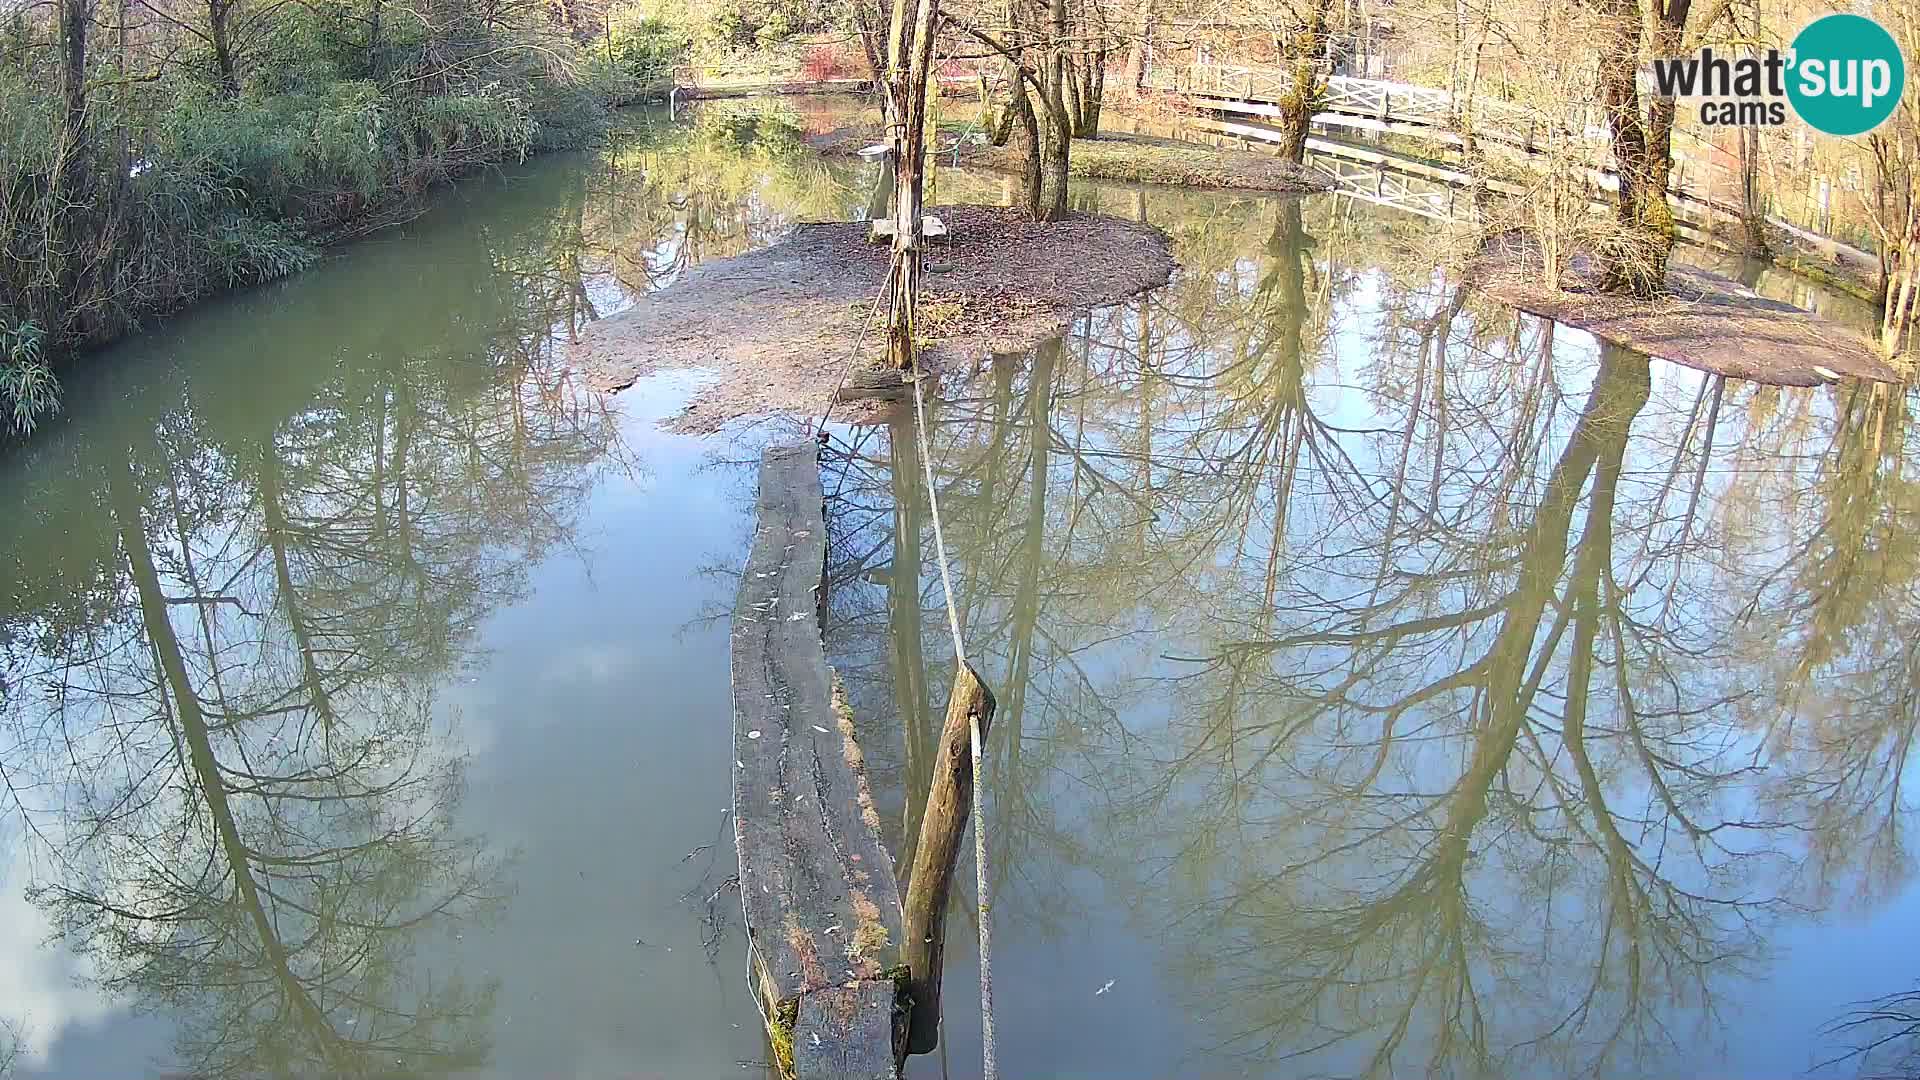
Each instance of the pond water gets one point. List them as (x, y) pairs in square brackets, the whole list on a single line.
[(365, 684), (364, 704), (1391, 685)]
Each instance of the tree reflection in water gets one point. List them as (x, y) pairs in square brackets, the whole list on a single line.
[(222, 731), (1442, 694), (734, 177)]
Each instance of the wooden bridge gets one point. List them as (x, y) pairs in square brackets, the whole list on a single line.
[(1242, 101), (822, 906), (1374, 105)]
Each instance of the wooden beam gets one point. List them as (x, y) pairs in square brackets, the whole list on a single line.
[(821, 905), (949, 801), (846, 1031)]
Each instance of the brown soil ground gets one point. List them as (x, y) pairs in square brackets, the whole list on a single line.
[(1113, 156), (778, 325), (1704, 321)]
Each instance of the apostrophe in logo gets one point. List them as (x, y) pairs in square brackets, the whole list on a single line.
[(1845, 75)]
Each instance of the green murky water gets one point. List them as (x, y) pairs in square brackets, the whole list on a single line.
[(366, 703), (1393, 686), (365, 682)]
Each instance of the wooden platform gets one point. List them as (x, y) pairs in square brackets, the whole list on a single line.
[(873, 384), (883, 228), (822, 906)]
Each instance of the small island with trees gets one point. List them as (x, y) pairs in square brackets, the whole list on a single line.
[(1564, 181)]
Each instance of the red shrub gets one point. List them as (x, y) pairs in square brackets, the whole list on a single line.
[(824, 62)]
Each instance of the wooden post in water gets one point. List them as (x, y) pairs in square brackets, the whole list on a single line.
[(949, 801)]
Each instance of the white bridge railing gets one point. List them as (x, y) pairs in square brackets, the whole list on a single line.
[(1427, 112), (1375, 99)]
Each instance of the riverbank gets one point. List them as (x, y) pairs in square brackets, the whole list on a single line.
[(776, 326), (231, 171), (1703, 321), (1116, 156)]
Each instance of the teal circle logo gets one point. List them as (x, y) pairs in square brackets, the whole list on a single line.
[(1845, 75)]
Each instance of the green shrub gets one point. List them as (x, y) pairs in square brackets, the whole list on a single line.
[(645, 48), (27, 387), (461, 129), (249, 251), (574, 114), (181, 189), (749, 24)]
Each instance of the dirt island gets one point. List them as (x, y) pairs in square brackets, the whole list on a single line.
[(776, 327)]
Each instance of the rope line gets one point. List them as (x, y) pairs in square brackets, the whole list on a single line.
[(846, 369), (989, 1066), (939, 532)]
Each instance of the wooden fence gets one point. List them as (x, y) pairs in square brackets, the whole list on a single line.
[(1436, 116), (1378, 99)]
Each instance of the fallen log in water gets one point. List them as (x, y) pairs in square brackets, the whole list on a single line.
[(821, 903)]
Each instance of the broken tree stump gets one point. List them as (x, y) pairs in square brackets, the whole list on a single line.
[(818, 890), (930, 882)]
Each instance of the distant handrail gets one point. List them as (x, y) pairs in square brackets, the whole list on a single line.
[(1416, 106)]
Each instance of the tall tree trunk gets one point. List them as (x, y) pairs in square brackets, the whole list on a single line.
[(1898, 278), (1635, 263), (1000, 128), (123, 148), (570, 18), (220, 36), (1029, 127), (1753, 215), (910, 59), (1055, 141), (376, 41), (1096, 96), (1070, 92), (1086, 82), (1001, 123), (76, 16), (1139, 52), (1056, 132), (1306, 86), (1044, 117), (873, 42), (70, 215)]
